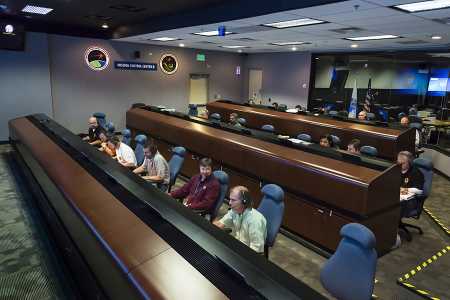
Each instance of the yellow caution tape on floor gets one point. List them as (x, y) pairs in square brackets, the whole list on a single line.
[(436, 220)]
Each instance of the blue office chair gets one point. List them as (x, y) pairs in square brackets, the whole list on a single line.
[(304, 137), (126, 136), (215, 117), (370, 116), (193, 111), (175, 164), (350, 273), (101, 118), (413, 208), (140, 140), (223, 179), (369, 151), (242, 121), (336, 140), (401, 115), (272, 208), (268, 128), (333, 113), (110, 128)]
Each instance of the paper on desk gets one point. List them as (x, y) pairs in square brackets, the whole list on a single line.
[(297, 141), (407, 196), (292, 110)]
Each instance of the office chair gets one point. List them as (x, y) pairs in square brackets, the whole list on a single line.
[(414, 119), (369, 151), (110, 128), (349, 274), (332, 113), (412, 111), (101, 118), (193, 111), (413, 208), (242, 121), (223, 179), (336, 140), (215, 117), (370, 116), (268, 128), (272, 208), (126, 136), (282, 107), (175, 164), (140, 140), (401, 115), (304, 137)]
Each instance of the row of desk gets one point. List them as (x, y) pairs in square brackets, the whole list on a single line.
[(124, 239), (322, 193), (388, 141)]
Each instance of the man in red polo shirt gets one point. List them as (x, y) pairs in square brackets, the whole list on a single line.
[(202, 190)]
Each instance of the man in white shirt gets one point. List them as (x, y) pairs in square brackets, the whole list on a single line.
[(247, 224), (156, 167), (124, 154)]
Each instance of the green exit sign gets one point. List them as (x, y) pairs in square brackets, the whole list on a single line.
[(201, 57)]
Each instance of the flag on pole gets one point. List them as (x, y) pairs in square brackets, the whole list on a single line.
[(353, 103), (368, 102)]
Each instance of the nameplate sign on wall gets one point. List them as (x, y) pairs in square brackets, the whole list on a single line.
[(126, 65)]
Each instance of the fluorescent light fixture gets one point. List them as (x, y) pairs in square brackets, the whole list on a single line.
[(294, 23), (354, 45), (105, 26), (181, 45), (436, 37), (288, 43), (164, 39), (294, 48), (211, 33), (240, 50), (36, 10), (373, 37), (424, 5), (233, 47)]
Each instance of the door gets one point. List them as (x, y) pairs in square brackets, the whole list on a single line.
[(255, 85), (198, 89)]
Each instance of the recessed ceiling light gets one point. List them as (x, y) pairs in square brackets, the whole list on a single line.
[(294, 48), (294, 23), (233, 47), (36, 10), (181, 45), (354, 45), (211, 33), (164, 39), (105, 26), (373, 37), (240, 50), (287, 43), (424, 5), (436, 37)]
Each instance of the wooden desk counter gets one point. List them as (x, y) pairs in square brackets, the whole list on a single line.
[(388, 141)]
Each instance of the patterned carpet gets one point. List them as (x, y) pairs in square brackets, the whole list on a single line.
[(25, 271)]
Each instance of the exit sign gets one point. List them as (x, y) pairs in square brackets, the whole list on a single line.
[(201, 57)]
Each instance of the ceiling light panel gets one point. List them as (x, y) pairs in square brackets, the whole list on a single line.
[(373, 37), (424, 6), (288, 43), (211, 33), (36, 10), (294, 23), (164, 39)]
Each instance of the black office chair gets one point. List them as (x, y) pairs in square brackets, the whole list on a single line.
[(413, 208)]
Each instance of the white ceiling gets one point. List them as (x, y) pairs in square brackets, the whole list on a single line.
[(373, 17)]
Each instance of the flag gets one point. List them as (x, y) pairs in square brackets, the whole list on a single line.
[(353, 103), (368, 102)]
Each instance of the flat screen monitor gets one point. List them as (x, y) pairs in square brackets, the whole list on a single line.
[(438, 84)]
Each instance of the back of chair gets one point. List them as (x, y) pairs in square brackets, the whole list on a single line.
[(304, 137), (333, 113), (215, 117), (416, 125), (415, 119), (223, 179), (369, 150), (193, 111), (412, 111), (426, 167), (282, 107), (110, 128), (126, 136), (272, 208), (350, 273), (242, 121), (401, 115), (268, 128), (140, 140), (176, 163), (370, 116), (336, 139), (101, 118)]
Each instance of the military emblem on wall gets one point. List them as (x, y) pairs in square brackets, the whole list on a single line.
[(96, 58), (168, 63)]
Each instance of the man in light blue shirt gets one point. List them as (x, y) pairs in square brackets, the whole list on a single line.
[(247, 224)]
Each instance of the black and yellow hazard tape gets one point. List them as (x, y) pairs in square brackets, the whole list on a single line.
[(403, 280), (436, 220)]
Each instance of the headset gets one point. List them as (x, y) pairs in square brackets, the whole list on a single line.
[(245, 198)]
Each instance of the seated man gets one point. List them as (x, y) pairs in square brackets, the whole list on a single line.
[(326, 141), (124, 154), (354, 146), (404, 122), (202, 190), (234, 120), (156, 167), (362, 115), (247, 224), (412, 179), (94, 132)]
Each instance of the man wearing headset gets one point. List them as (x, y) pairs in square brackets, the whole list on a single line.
[(247, 224)]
